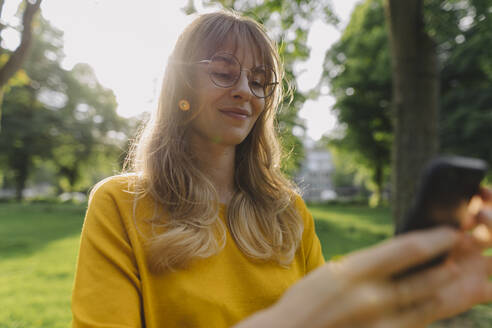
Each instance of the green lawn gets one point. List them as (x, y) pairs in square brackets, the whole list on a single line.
[(343, 229), (38, 248)]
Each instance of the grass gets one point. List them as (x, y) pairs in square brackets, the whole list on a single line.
[(343, 229), (38, 249)]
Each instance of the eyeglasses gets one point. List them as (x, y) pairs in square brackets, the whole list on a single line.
[(225, 70)]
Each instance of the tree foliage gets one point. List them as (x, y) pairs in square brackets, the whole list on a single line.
[(466, 78), (359, 74), (358, 70), (64, 117)]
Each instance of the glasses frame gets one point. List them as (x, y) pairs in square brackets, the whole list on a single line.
[(241, 69)]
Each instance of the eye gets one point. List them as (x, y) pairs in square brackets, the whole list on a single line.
[(257, 85), (223, 71), (223, 78), (258, 78), (222, 75)]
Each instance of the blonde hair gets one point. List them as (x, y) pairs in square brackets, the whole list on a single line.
[(261, 215)]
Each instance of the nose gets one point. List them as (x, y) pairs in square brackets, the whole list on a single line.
[(241, 89)]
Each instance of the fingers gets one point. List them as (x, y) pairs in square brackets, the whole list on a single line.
[(486, 194), (487, 297), (399, 253), (483, 231), (489, 269), (469, 221), (485, 217), (481, 201), (374, 299), (481, 235), (421, 285), (416, 316)]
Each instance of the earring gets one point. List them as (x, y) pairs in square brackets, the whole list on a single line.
[(184, 105)]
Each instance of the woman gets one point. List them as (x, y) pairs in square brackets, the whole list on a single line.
[(208, 233)]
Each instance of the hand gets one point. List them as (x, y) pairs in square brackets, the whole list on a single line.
[(360, 291), (471, 286)]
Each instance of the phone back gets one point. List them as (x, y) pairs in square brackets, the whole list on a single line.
[(446, 186)]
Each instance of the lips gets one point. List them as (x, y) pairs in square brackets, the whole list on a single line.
[(236, 112)]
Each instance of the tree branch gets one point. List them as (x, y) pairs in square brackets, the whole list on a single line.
[(15, 60), (2, 26), (1, 7)]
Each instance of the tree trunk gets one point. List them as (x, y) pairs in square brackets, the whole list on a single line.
[(21, 172), (378, 178), (415, 99), (72, 177)]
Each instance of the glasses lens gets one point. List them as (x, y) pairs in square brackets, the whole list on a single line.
[(224, 70), (262, 81)]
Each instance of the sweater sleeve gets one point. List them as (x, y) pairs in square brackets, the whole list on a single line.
[(106, 290), (311, 243)]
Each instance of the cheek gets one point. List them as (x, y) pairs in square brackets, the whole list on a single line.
[(204, 90), (206, 96), (259, 106)]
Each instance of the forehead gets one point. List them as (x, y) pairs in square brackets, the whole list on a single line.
[(243, 46), (248, 54)]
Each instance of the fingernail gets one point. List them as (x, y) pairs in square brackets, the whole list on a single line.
[(482, 234)]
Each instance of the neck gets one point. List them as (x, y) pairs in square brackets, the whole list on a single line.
[(217, 162)]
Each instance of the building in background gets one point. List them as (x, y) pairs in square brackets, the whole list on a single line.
[(315, 174)]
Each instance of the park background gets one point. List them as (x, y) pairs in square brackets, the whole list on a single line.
[(65, 125)]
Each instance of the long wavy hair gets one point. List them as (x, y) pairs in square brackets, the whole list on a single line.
[(261, 215)]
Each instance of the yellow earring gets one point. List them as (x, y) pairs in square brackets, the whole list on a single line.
[(184, 105)]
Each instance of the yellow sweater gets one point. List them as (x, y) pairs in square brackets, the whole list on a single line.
[(114, 288)]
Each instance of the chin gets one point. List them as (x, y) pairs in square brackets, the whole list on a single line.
[(231, 139), (234, 141)]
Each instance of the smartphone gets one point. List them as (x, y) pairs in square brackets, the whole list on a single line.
[(446, 186)]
